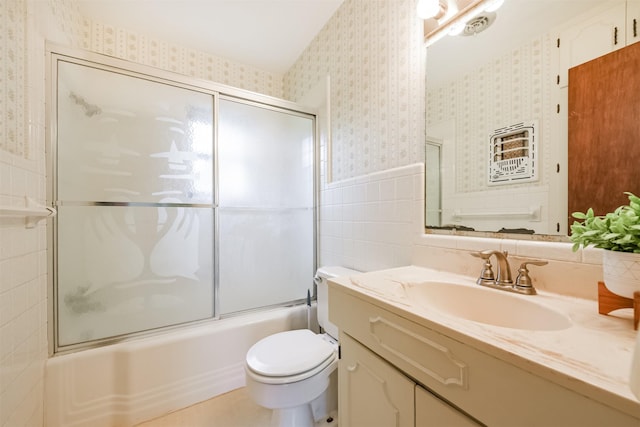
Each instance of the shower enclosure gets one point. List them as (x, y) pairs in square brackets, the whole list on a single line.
[(178, 201)]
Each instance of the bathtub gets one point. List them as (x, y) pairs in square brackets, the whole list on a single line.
[(140, 379)]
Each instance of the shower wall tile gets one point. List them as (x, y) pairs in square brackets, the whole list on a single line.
[(24, 25), (23, 295)]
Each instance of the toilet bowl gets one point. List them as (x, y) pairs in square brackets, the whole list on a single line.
[(293, 373)]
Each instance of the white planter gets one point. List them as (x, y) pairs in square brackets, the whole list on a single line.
[(621, 272)]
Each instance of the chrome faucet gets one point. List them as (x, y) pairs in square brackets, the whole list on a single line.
[(502, 279)]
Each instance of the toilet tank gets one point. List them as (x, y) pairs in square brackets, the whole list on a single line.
[(321, 277)]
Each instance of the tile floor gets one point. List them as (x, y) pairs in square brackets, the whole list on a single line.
[(233, 409)]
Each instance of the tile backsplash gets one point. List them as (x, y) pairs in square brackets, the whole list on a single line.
[(568, 273), (376, 221)]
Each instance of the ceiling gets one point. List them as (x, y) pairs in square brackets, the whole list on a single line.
[(516, 22), (267, 34)]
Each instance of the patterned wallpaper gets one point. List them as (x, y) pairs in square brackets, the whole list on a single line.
[(82, 32), (517, 78), (16, 52), (68, 20), (13, 16), (374, 52), (125, 44)]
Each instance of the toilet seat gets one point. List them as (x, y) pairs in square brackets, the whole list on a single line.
[(289, 357)]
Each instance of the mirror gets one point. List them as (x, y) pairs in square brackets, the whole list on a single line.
[(492, 130)]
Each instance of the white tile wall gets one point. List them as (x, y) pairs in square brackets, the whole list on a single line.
[(370, 222), (23, 261), (23, 297), (376, 221)]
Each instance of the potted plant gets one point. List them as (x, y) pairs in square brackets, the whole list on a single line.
[(617, 232)]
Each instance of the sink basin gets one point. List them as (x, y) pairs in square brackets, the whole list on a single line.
[(489, 306)]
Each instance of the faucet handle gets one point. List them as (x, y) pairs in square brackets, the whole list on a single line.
[(486, 274), (523, 281)]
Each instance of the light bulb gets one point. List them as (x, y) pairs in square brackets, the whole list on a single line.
[(428, 8), (494, 5)]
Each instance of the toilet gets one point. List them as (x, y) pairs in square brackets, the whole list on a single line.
[(294, 373)]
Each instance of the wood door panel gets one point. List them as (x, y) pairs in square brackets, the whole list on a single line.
[(604, 131)]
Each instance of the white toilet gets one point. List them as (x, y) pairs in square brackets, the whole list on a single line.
[(294, 372)]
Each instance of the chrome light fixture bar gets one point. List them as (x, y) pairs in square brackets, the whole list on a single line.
[(456, 15)]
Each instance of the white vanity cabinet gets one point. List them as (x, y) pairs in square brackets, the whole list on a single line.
[(385, 351), (433, 412), (374, 393), (612, 26)]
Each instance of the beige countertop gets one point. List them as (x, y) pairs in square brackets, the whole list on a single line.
[(591, 357)]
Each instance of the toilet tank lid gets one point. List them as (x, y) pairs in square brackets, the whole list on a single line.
[(331, 271)]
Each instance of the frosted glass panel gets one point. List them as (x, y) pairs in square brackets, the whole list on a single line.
[(266, 212), (137, 225), (126, 269), (126, 139), (266, 157), (266, 257)]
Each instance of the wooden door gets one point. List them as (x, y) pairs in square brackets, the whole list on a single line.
[(604, 131)]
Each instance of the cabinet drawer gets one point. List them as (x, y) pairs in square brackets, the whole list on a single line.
[(492, 391)]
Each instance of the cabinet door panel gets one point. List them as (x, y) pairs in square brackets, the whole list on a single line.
[(633, 21), (372, 392), (431, 411), (602, 33)]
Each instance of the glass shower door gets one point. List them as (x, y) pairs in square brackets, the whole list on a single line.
[(266, 206), (134, 194)]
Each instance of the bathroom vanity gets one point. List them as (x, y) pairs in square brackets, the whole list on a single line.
[(421, 347)]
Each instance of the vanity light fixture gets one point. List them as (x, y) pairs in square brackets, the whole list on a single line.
[(428, 9), (455, 18), (457, 28)]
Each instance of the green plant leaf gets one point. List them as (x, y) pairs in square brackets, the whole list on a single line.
[(617, 231)]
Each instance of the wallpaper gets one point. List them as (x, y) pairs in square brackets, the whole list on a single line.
[(374, 53), (129, 45), (504, 91), (12, 76)]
